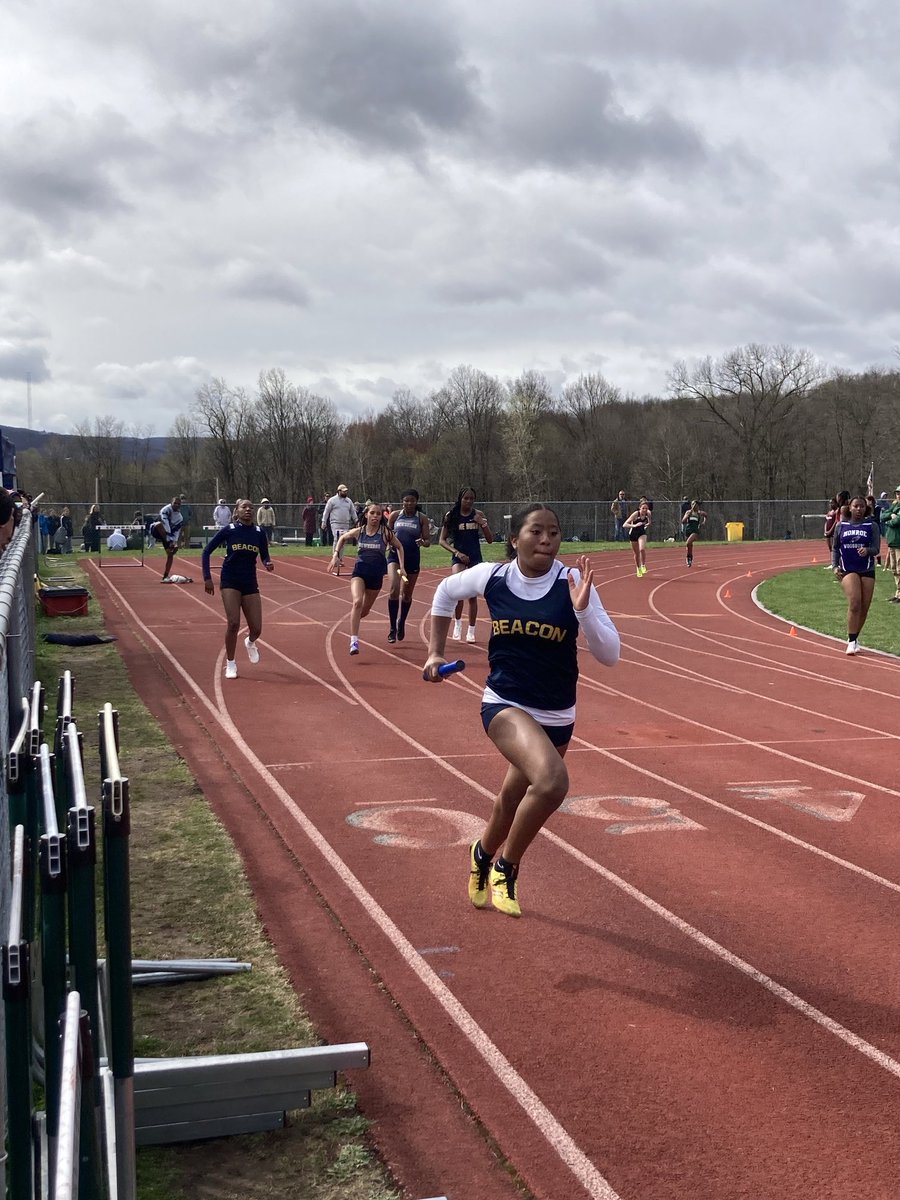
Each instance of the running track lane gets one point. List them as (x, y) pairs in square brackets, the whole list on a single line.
[(701, 999)]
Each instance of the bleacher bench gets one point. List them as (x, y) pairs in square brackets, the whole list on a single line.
[(205, 1096)]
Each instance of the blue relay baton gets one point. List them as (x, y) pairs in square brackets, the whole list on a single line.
[(448, 669)]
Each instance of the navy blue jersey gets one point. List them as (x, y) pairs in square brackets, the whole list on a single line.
[(849, 538), (467, 539), (532, 652), (407, 531), (244, 544)]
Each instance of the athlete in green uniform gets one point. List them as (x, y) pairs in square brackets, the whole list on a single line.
[(693, 519)]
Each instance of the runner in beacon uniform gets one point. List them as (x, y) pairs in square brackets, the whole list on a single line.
[(856, 545), (537, 606), (373, 539), (461, 533), (245, 544), (412, 529)]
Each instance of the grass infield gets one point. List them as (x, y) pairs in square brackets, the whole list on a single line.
[(814, 598), (190, 899)]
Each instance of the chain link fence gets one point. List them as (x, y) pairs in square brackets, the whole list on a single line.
[(586, 520)]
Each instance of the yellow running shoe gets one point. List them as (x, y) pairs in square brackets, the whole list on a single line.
[(504, 886), (478, 878)]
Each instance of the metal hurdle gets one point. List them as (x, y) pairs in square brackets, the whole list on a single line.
[(16, 962)]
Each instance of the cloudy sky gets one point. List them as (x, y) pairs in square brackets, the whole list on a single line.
[(368, 193)]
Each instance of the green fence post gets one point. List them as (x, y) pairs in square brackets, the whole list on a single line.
[(52, 858), (16, 966), (117, 919)]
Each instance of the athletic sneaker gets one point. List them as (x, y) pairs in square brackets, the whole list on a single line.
[(638, 572), (392, 636), (401, 632), (690, 562), (503, 891), (354, 645), (231, 670), (853, 647), (478, 878), (642, 571), (457, 631), (470, 634), (252, 652), (894, 600)]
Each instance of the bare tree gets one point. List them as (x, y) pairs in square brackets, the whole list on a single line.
[(528, 403), (754, 391), (474, 400), (224, 413), (101, 447)]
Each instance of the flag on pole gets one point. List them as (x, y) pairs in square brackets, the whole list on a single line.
[(870, 482)]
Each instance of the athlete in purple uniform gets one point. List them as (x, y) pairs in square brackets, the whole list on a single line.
[(373, 539), (245, 543), (537, 606), (413, 530), (461, 533), (856, 545)]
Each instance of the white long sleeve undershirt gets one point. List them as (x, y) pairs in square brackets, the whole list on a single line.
[(601, 635)]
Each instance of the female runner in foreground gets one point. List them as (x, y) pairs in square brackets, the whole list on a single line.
[(412, 529), (461, 533), (694, 517), (373, 538), (857, 543), (244, 543), (636, 526), (537, 605)]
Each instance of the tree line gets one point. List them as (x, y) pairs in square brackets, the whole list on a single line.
[(761, 421)]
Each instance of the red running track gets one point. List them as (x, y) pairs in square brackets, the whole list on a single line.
[(702, 997)]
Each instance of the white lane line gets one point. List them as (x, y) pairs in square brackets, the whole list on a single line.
[(594, 1184), (879, 1057), (267, 647)]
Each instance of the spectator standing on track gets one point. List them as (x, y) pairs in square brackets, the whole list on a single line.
[(638, 525), (187, 519), (245, 543), (619, 510), (412, 529), (265, 519), (339, 516), (90, 530), (373, 539), (62, 539), (222, 515), (691, 523), (856, 546), (537, 606), (308, 516), (461, 532), (168, 531), (831, 519), (892, 536), (327, 535)]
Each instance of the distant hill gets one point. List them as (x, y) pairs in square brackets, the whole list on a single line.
[(37, 439)]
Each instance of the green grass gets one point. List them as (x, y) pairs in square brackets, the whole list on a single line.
[(190, 899), (814, 598)]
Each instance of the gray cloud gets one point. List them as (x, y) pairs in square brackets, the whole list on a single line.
[(569, 115), (275, 282), (19, 358)]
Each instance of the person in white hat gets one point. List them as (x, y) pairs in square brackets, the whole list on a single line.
[(222, 514), (339, 516), (265, 519)]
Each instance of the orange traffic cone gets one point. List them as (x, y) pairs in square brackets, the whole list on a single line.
[(749, 573), (793, 632), (815, 559), (727, 595)]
